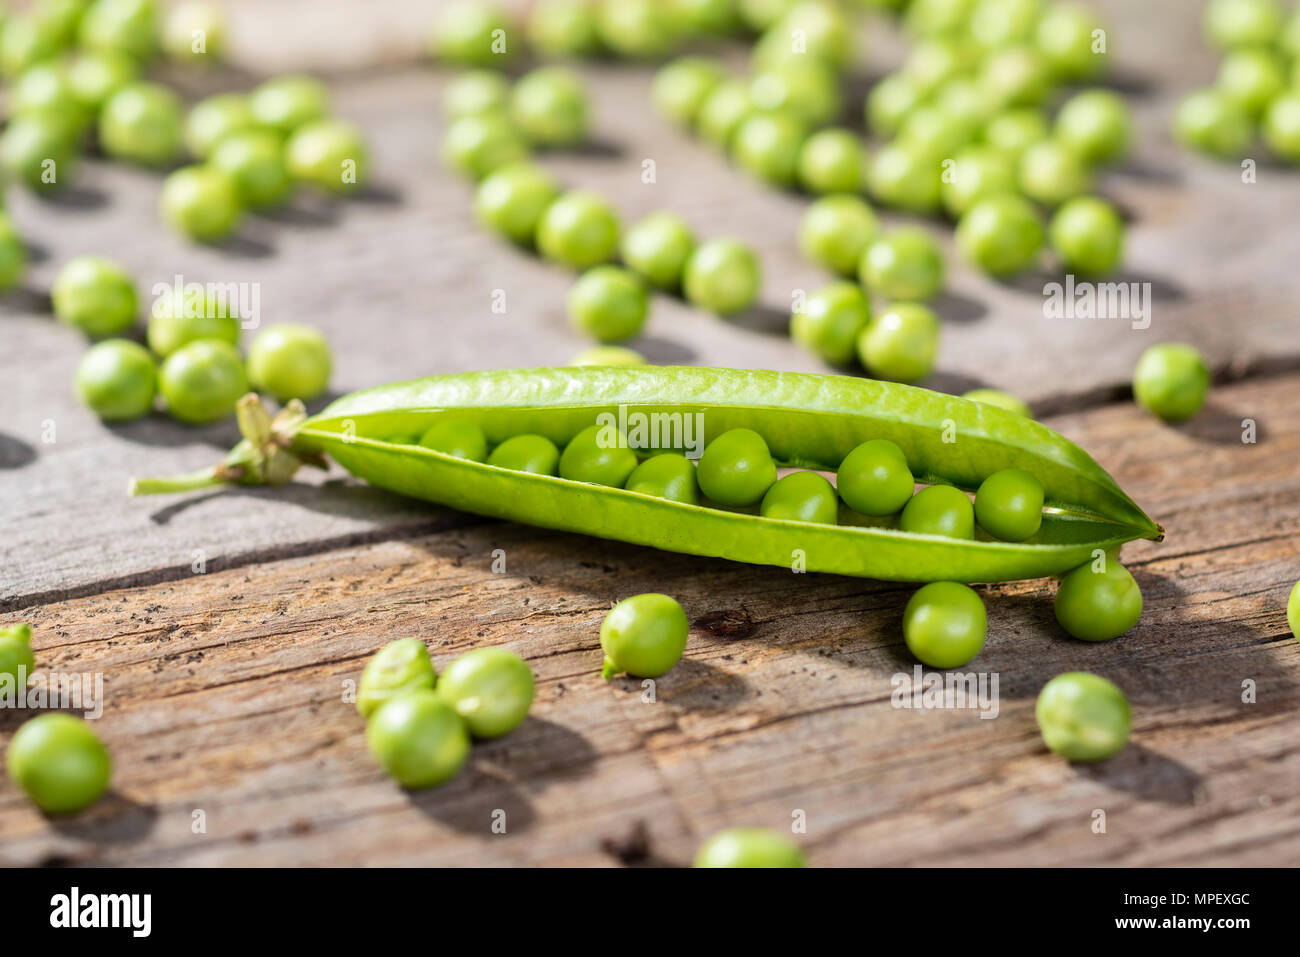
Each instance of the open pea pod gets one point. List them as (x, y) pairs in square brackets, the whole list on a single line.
[(810, 421)]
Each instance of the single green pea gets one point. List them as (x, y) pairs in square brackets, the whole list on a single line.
[(657, 248), (479, 144), (13, 254), (900, 344), (1171, 380), (1252, 78), (1000, 399), (807, 89), (194, 33), (1096, 124), (214, 119), (549, 107), (1281, 127), (203, 202), (926, 18), (874, 478), (830, 321), (644, 636), (904, 264), (933, 61), (254, 159), (835, 232), (1208, 121), (608, 303), (1009, 505), (1231, 24), (24, 43), (995, 24), (329, 154), (128, 26), (142, 123), (825, 30), (1083, 717), (939, 510), (679, 89), (37, 151), (945, 625), (95, 295), (563, 28), (637, 29), (59, 762), (1066, 37), (906, 178), (767, 145), (16, 653), (202, 381), (94, 76), (1001, 234), (667, 475), (1098, 605), (475, 92), (459, 438), (608, 356), (418, 738), (1088, 234), (977, 173), (182, 316), (935, 132), (832, 161), (46, 89), (117, 380), (398, 668), (490, 688), (285, 103), (722, 111), (749, 847), (512, 200), (736, 468), (598, 455), (1011, 132), (1016, 76), (526, 453), (801, 497), (722, 276), (1050, 172), (579, 230), (290, 361), (1293, 611), (473, 33), (890, 102)]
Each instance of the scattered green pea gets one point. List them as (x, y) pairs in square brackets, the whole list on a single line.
[(939, 510), (95, 75), (644, 636), (16, 653), (900, 344), (1009, 505), (418, 738), (512, 199), (1002, 234), (679, 90), (723, 276), (830, 321), (490, 688), (285, 103), (1281, 126), (832, 161), (254, 159), (398, 668), (45, 89), (707, 17), (475, 92), (936, 133), (1171, 380), (657, 248), (749, 847), (1251, 78), (945, 625), (549, 107), (578, 230), (1083, 717), (835, 232), (179, 317), (723, 110), (1016, 76), (933, 61), (1088, 234), (1231, 24), (667, 475), (13, 254), (526, 453), (637, 29), (203, 202), (459, 438), (1067, 38), (1293, 611), (472, 33), (806, 89), (874, 478), (903, 264), (142, 123), (977, 172), (194, 33), (999, 399), (1000, 23), (23, 44), (37, 151), (117, 380), (290, 361), (201, 381), (736, 468), (59, 762), (127, 26), (801, 497), (906, 178), (329, 154), (595, 456), (962, 99), (608, 303), (926, 18), (1095, 605), (563, 28), (608, 356), (767, 145), (1212, 123), (890, 102), (1011, 132), (1050, 172), (825, 32), (1096, 124), (212, 120), (95, 295)]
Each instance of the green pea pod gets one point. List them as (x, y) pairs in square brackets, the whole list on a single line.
[(809, 421)]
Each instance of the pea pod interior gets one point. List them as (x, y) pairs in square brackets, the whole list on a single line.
[(809, 421)]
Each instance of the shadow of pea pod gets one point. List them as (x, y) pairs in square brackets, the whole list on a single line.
[(1146, 774), (113, 819)]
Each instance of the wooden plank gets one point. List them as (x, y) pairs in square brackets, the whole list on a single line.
[(224, 695)]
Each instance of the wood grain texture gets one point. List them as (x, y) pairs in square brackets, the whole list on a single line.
[(225, 695)]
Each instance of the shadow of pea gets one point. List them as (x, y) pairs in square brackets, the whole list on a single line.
[(1146, 774), (475, 800), (14, 452), (113, 819), (1222, 426)]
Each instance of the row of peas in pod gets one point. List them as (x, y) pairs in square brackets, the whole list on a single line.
[(192, 359), (1256, 93)]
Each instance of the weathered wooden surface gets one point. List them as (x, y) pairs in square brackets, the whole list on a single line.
[(224, 695), (401, 281)]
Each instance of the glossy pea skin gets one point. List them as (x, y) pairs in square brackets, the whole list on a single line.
[(1065, 39), (804, 88), (475, 92), (1293, 611), (599, 456), (549, 107), (637, 29), (831, 320), (1013, 131), (679, 89), (832, 161), (203, 202), (1083, 717), (608, 356), (94, 76), (801, 497), (180, 317), (1002, 234), (901, 343), (1171, 380), (579, 230), (749, 847), (117, 380), (978, 172), (202, 381), (767, 146), (667, 475), (212, 120), (142, 123), (723, 110), (59, 762), (1050, 172), (128, 26), (459, 438), (45, 89), (1231, 24), (418, 738), (37, 151), (722, 276), (1088, 234), (608, 303), (1000, 399), (736, 468), (1009, 505), (874, 478), (329, 154), (398, 668), (490, 688), (526, 453), (16, 652), (472, 33), (254, 159), (512, 199), (1209, 122), (1281, 127), (563, 28), (945, 625), (905, 178), (13, 254), (95, 295), (904, 264), (939, 510), (1098, 605), (290, 361), (890, 102), (836, 230), (1097, 124), (657, 248), (285, 103), (644, 636)]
